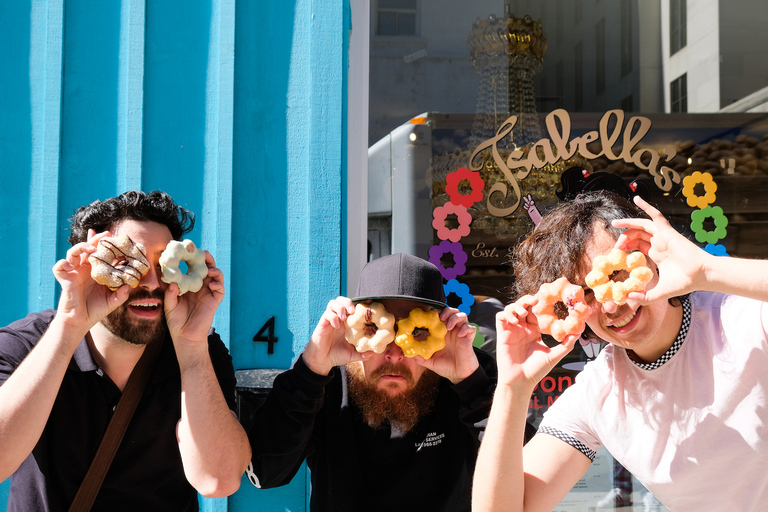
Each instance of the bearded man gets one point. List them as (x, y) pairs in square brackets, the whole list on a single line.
[(63, 372), (379, 431)]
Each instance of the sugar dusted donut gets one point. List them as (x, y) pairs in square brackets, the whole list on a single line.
[(414, 326), (605, 289), (117, 261), (370, 327), (572, 296), (197, 270)]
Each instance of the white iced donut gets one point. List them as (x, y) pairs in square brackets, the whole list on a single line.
[(197, 270)]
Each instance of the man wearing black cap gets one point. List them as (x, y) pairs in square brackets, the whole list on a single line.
[(379, 431)]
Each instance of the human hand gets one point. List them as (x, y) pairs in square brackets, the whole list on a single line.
[(190, 316), (83, 302), (680, 262), (327, 346), (457, 360), (523, 358)]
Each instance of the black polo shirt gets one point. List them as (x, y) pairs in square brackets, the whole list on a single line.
[(147, 472)]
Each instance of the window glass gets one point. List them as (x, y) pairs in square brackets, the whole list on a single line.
[(606, 78)]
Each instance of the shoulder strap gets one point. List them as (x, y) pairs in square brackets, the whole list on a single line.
[(134, 388)]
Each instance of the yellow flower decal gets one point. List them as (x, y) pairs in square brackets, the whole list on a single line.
[(710, 187)]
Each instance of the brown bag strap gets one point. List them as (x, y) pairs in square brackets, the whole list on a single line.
[(134, 388)]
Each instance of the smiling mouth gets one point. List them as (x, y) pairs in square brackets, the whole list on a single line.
[(624, 321)]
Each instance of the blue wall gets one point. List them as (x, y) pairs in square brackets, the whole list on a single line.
[(236, 108)]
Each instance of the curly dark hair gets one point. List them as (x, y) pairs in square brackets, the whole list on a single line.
[(155, 206), (557, 245)]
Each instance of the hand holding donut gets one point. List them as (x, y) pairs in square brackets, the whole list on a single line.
[(604, 266), (523, 358), (370, 327), (83, 302), (328, 346), (457, 360), (680, 262)]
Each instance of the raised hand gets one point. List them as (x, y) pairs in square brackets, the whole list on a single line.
[(457, 360), (680, 262), (327, 347)]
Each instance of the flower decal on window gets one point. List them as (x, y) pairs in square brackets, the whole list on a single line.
[(476, 185)]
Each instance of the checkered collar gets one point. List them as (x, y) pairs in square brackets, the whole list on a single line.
[(676, 345)]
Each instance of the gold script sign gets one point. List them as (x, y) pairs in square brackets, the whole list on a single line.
[(559, 146)]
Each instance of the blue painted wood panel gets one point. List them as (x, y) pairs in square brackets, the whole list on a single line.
[(235, 108)]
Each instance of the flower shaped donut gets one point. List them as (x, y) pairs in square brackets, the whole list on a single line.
[(572, 296), (476, 183), (197, 270), (413, 326), (117, 261), (370, 327), (710, 187), (605, 289)]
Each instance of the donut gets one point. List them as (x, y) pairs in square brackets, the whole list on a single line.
[(197, 270), (572, 296), (413, 326), (118, 260), (370, 327), (605, 289)]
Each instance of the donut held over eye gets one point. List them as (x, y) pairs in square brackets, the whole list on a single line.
[(606, 289), (118, 260), (414, 326), (197, 270), (370, 328), (572, 296)]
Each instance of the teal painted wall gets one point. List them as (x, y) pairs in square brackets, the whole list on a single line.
[(237, 108)]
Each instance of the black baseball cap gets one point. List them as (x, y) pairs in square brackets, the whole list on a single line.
[(401, 276)]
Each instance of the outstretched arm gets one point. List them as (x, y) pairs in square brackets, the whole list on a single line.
[(27, 397), (683, 266), (214, 447), (507, 476)]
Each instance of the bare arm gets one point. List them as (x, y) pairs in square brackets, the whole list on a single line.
[(27, 397), (683, 266), (214, 447), (508, 476)]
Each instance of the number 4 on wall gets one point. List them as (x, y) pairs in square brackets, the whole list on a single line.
[(270, 338)]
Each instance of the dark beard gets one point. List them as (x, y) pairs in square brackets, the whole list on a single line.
[(401, 411), (132, 330)]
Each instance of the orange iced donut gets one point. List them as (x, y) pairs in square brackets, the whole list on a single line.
[(606, 289), (413, 326), (572, 296), (117, 261), (370, 327), (176, 252)]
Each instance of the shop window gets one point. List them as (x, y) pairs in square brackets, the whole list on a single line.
[(396, 18), (600, 57), (677, 25), (626, 37), (577, 77), (577, 14), (678, 94)]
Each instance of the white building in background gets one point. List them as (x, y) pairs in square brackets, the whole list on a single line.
[(638, 55)]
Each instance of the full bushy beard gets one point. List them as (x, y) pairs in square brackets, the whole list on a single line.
[(135, 330), (401, 411)]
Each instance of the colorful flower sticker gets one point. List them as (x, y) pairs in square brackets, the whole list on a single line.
[(716, 250), (476, 183), (459, 258), (446, 233), (697, 224), (710, 187), (462, 291)]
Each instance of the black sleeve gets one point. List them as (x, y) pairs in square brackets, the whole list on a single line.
[(281, 435), (476, 394), (223, 367), (19, 338)]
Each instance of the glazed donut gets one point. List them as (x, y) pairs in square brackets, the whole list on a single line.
[(117, 261), (605, 289), (428, 321), (572, 296), (370, 327), (197, 270)]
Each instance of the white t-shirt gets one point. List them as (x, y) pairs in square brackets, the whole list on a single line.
[(693, 430)]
